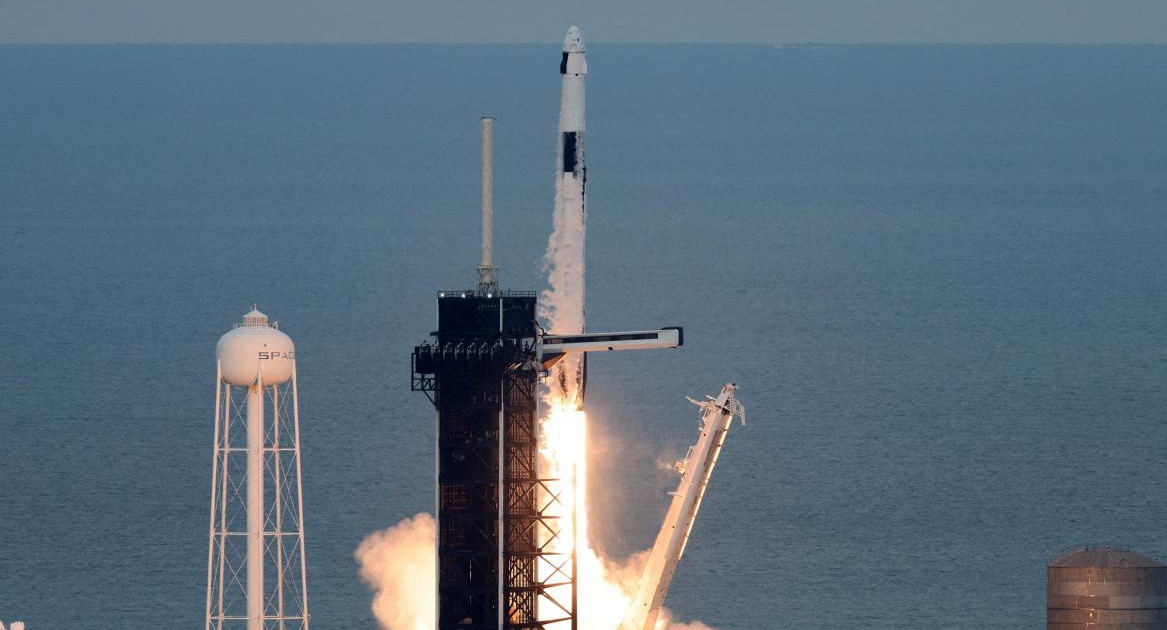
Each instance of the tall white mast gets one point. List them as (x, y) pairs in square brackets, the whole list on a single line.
[(487, 272)]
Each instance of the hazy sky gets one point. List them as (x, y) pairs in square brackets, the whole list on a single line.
[(475, 21)]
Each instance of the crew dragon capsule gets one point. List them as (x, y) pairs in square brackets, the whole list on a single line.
[(573, 67)]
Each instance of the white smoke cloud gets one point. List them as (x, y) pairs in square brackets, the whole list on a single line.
[(667, 462), (398, 564), (627, 574), (561, 305), (677, 625)]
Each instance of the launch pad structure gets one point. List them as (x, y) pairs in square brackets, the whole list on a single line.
[(501, 559), (497, 517), (504, 561)]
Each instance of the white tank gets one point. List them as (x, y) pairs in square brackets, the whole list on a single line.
[(255, 349)]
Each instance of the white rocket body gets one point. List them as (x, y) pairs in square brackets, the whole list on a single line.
[(573, 67), (563, 304)]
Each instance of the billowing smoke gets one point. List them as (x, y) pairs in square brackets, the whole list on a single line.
[(622, 577), (666, 623), (398, 564), (562, 304)]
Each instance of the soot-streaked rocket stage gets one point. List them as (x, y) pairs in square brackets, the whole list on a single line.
[(510, 535)]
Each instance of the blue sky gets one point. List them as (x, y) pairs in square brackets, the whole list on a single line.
[(475, 21)]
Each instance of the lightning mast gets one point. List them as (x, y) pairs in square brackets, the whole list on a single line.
[(487, 272)]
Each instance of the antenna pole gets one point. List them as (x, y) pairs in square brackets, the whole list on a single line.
[(487, 279)]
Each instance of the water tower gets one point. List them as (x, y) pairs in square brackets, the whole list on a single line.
[(1103, 587), (256, 568)]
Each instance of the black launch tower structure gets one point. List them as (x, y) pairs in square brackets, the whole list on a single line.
[(497, 518)]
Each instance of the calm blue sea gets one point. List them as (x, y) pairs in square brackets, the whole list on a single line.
[(936, 272)]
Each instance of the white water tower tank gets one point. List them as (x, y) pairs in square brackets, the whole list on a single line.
[(256, 350)]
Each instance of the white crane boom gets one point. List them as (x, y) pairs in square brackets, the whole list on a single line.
[(696, 469)]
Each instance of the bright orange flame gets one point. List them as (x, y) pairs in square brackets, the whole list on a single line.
[(601, 599)]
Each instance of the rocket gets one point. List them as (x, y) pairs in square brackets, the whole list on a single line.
[(573, 67), (564, 302)]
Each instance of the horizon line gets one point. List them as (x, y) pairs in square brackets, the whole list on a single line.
[(793, 44)]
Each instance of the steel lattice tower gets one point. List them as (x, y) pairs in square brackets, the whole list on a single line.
[(497, 517)]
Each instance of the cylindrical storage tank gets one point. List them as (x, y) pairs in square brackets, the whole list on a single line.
[(256, 351), (1106, 588)]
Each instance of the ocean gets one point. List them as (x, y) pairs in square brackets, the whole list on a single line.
[(935, 272)]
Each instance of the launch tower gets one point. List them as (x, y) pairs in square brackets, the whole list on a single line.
[(494, 513), (502, 522), (496, 517)]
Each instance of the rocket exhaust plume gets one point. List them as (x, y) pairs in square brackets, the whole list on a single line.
[(398, 564)]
